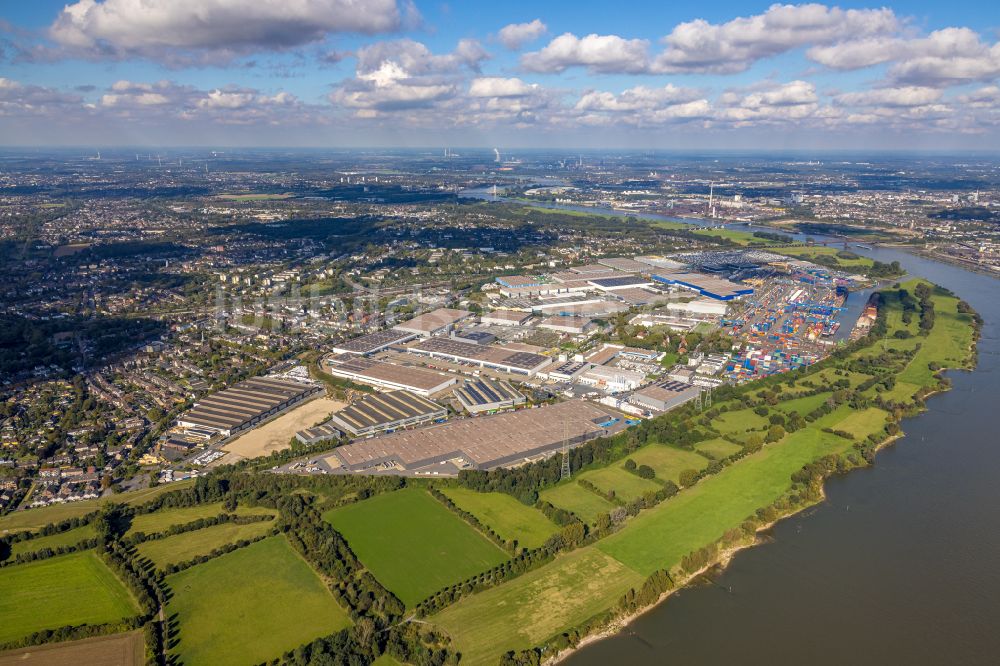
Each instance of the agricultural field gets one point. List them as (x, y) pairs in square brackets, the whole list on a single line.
[(626, 485), (535, 606), (573, 497), (188, 545), (413, 544), (65, 590), (34, 519), (508, 517), (161, 520), (668, 461), (53, 541), (717, 448), (250, 606), (115, 650)]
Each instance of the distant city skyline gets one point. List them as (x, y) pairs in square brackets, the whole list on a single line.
[(352, 73)]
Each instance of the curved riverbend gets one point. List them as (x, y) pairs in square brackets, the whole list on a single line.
[(901, 563)]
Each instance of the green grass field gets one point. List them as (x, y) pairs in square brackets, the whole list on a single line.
[(739, 421), (736, 236), (413, 544), (573, 497), (182, 547), (250, 606), (508, 517), (67, 538), (535, 606), (660, 537), (32, 519), (66, 590), (863, 423), (668, 461), (627, 486), (151, 523), (802, 405), (717, 448), (828, 376)]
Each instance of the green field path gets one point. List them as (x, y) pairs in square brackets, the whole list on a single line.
[(66, 590), (188, 545), (250, 606), (505, 515), (536, 606), (413, 544)]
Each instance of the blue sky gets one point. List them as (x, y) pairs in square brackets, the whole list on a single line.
[(395, 72)]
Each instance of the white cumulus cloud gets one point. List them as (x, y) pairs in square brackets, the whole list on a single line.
[(516, 35), (598, 53)]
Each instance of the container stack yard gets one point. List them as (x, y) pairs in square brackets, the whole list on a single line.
[(785, 326)]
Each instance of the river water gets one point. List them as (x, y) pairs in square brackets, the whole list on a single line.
[(901, 564)]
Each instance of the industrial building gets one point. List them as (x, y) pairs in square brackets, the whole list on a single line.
[(374, 342), (624, 264), (387, 375), (245, 404), (664, 395), (486, 395), (385, 412), (612, 379), (706, 285), (497, 358), (431, 323), (501, 440), (700, 306), (618, 282), (321, 433), (517, 281), (505, 318), (567, 324)]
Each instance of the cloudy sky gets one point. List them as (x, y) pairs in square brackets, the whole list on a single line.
[(907, 75)]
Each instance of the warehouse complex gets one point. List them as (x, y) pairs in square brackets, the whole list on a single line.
[(431, 323), (244, 405), (374, 342), (706, 285), (481, 443), (387, 375), (385, 412), (496, 358), (484, 395)]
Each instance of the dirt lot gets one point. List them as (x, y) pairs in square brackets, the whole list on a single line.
[(274, 435), (117, 650)]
